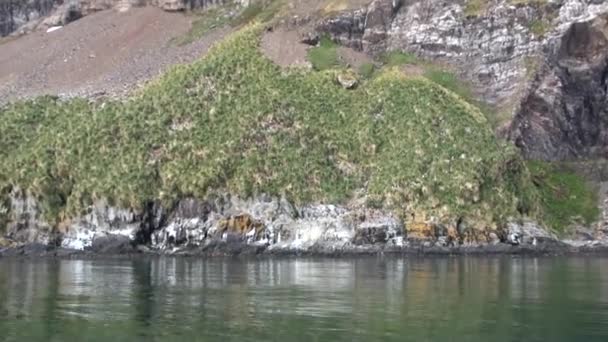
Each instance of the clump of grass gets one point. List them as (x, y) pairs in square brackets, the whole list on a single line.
[(325, 55), (566, 197), (367, 70), (234, 121)]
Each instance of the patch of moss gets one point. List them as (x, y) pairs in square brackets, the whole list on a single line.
[(234, 121), (325, 55), (566, 196)]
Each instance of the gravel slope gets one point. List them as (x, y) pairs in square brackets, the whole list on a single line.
[(107, 53)]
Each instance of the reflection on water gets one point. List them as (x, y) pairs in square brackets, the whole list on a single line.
[(437, 299)]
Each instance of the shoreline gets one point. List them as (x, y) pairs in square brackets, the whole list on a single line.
[(227, 250)]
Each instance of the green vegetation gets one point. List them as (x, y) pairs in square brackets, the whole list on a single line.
[(439, 75), (324, 56), (449, 80), (236, 122), (367, 70), (564, 194)]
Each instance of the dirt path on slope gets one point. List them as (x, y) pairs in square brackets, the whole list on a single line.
[(106, 53)]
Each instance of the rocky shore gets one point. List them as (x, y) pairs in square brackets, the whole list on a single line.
[(226, 225)]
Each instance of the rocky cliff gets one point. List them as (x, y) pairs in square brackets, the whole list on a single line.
[(228, 225)]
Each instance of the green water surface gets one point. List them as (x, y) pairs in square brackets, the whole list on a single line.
[(362, 299)]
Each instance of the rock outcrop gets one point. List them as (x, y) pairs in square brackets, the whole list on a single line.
[(563, 115), (15, 14), (227, 224)]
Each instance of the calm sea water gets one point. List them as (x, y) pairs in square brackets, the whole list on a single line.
[(366, 299)]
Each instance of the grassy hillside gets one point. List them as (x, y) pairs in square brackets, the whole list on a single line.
[(235, 121)]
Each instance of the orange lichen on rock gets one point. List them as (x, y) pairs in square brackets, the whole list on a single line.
[(240, 224)]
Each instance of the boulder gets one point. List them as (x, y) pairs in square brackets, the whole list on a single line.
[(348, 80)]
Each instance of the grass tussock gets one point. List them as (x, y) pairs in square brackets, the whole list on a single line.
[(234, 121)]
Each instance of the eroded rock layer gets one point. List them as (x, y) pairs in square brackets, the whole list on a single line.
[(226, 224)]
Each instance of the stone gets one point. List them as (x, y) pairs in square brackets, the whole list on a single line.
[(528, 232), (4, 243), (112, 244), (347, 80)]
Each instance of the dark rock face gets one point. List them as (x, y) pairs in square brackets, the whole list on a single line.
[(365, 29), (16, 13), (564, 116)]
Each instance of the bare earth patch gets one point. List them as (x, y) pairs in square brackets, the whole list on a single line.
[(352, 58), (284, 47), (106, 53), (412, 70)]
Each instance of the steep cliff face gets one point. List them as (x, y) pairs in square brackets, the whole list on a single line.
[(563, 116), (540, 65)]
